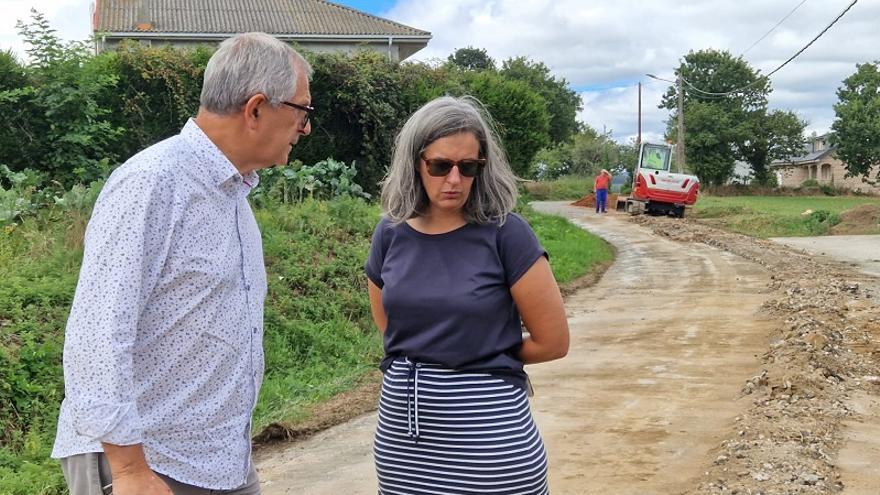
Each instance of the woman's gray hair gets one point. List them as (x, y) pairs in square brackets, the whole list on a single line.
[(248, 64), (493, 193)]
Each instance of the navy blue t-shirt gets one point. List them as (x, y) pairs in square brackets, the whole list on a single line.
[(447, 296)]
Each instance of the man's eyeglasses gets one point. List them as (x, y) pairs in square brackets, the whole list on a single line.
[(305, 108), (440, 167)]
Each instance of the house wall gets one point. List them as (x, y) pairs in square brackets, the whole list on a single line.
[(792, 176), (827, 171), (395, 51)]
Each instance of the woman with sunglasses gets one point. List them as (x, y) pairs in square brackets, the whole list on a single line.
[(453, 274)]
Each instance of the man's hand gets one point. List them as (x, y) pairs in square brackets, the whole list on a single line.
[(140, 483), (131, 473)]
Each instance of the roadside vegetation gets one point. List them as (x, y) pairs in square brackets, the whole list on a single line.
[(319, 336), (790, 216), (570, 187)]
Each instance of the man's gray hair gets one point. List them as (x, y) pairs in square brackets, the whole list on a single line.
[(248, 64), (493, 193)]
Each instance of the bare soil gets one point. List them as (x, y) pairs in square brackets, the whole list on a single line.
[(703, 362), (589, 201), (864, 219)]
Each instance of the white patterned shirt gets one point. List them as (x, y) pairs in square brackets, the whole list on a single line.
[(164, 340)]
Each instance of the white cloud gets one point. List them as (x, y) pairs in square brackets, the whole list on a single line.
[(611, 45)]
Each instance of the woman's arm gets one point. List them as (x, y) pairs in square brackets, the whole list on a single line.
[(539, 302), (376, 306)]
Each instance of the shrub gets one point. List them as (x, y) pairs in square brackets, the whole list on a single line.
[(819, 222), (327, 179)]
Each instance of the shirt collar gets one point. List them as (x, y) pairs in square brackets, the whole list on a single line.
[(219, 169)]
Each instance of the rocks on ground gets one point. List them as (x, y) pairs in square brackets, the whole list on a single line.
[(827, 349)]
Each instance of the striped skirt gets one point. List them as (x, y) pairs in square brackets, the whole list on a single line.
[(445, 432)]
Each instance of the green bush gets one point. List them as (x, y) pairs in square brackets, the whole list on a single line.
[(820, 222), (810, 183), (520, 116), (327, 179)]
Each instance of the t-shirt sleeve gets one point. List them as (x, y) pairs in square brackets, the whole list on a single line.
[(518, 247), (376, 259)]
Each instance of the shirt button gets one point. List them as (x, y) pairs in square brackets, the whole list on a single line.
[(247, 286), (255, 329)]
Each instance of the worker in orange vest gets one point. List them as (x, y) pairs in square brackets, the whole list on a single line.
[(601, 188)]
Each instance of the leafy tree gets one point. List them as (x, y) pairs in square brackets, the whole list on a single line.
[(767, 137), (520, 116), (12, 73), (56, 123), (857, 124), (563, 103), (714, 123), (585, 153), (471, 58)]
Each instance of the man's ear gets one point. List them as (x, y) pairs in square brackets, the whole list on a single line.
[(252, 109)]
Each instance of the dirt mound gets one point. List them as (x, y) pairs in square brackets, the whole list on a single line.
[(863, 219), (589, 201)]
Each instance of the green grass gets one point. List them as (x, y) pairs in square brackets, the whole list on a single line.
[(776, 216), (319, 335), (571, 187), (573, 251)]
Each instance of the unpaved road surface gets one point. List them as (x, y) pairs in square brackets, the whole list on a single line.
[(702, 362)]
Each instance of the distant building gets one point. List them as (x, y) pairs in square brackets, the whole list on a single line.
[(820, 163), (315, 25)]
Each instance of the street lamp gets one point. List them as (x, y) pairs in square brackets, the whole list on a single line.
[(679, 147)]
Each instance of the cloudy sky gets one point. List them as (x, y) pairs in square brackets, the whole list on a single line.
[(604, 48)]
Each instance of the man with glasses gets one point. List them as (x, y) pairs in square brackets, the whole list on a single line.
[(163, 355)]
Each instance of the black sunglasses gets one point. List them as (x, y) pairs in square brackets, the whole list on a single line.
[(307, 109), (440, 167)]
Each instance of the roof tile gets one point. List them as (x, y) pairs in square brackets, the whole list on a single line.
[(316, 17)]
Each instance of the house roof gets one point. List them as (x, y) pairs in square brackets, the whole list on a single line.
[(804, 159), (277, 17)]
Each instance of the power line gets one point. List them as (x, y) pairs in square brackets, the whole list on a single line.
[(774, 71), (773, 28)]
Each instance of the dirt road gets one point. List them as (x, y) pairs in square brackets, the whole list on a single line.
[(661, 349)]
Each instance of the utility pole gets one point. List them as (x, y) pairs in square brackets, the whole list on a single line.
[(639, 139), (679, 148)]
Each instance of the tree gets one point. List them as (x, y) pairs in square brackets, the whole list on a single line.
[(767, 137), (585, 154), (857, 124), (562, 102), (520, 116), (715, 124), (471, 58), (56, 123)]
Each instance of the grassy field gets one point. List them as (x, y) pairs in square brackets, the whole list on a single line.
[(565, 188), (780, 216), (319, 337)]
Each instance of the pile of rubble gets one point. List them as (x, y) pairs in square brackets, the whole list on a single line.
[(827, 349)]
